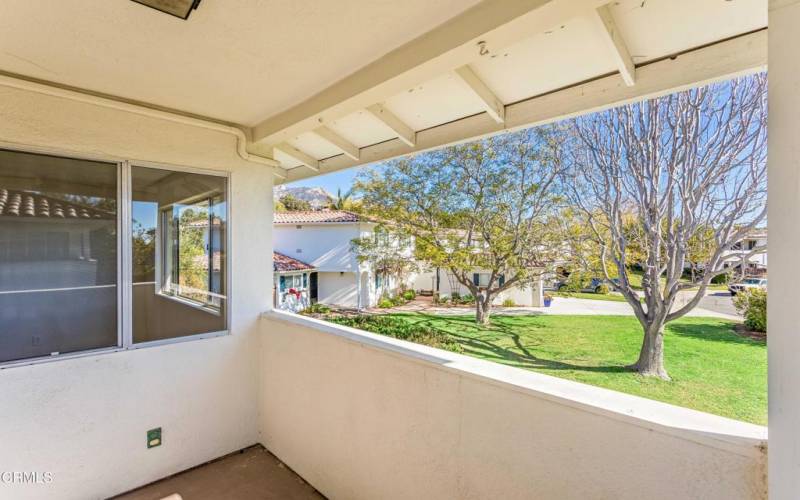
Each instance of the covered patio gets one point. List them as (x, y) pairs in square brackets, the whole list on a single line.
[(175, 128)]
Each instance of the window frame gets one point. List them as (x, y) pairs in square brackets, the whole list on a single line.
[(128, 342), (125, 253)]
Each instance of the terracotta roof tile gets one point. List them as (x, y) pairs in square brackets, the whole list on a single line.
[(283, 263), (314, 217), (15, 203)]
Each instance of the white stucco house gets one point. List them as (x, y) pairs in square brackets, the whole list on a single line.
[(443, 283), (157, 118), (295, 283), (321, 238), (748, 257)]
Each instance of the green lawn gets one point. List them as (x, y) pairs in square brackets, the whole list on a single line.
[(712, 369)]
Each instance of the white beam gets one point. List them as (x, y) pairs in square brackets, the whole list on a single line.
[(492, 105), (403, 131), (498, 23), (298, 155), (736, 56), (783, 178), (616, 45), (340, 142)]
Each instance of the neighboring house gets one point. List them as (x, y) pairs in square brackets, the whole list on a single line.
[(443, 283), (295, 286), (322, 239), (748, 257)]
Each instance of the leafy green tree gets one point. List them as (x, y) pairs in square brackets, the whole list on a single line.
[(343, 201), (387, 253), (481, 206), (292, 204)]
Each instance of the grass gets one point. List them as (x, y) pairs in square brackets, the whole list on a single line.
[(611, 297), (712, 369)]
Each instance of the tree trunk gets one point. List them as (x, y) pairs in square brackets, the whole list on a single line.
[(483, 306), (651, 357)]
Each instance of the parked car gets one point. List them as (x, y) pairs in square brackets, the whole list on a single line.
[(747, 284), (593, 286)]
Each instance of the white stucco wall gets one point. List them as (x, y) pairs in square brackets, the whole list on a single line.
[(85, 419), (529, 296), (326, 247), (339, 289), (373, 417)]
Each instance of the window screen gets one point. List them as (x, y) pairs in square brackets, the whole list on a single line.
[(58, 255)]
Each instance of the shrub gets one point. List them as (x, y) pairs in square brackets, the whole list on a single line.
[(601, 289), (385, 303), (467, 300), (409, 295), (398, 300), (396, 327), (720, 279), (577, 281), (509, 303), (441, 299), (317, 309), (455, 297), (752, 304)]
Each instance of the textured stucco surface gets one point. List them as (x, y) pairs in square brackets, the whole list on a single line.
[(359, 420), (85, 419)]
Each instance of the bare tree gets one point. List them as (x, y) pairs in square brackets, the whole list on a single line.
[(680, 164)]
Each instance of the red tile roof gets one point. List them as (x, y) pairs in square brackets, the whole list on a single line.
[(15, 203), (314, 217), (284, 263)]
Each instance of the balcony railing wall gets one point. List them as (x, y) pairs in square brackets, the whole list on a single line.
[(363, 416)]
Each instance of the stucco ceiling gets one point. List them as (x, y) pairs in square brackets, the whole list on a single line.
[(233, 60)]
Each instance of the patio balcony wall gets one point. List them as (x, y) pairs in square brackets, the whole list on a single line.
[(363, 416)]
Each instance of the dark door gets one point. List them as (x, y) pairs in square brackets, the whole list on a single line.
[(312, 288)]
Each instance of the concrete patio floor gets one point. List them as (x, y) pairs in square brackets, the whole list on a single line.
[(253, 473)]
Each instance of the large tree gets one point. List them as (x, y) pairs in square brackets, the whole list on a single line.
[(473, 207), (690, 169)]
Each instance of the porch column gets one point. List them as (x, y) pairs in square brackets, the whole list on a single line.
[(537, 291), (784, 224)]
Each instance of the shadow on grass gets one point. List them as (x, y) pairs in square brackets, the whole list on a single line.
[(720, 332), (489, 350)]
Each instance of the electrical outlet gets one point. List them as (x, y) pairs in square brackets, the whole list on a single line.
[(154, 437)]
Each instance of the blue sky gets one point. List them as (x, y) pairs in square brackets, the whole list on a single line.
[(330, 182)]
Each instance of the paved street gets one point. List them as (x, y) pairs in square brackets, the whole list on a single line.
[(720, 302)]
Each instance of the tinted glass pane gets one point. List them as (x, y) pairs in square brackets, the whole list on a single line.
[(58, 255), (179, 252)]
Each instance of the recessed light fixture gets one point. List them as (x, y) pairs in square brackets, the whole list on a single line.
[(177, 8)]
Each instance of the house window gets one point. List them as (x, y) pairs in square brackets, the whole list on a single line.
[(481, 279), (182, 227), (65, 227), (58, 255)]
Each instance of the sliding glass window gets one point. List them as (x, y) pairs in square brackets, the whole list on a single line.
[(179, 249), (58, 255), (98, 255)]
